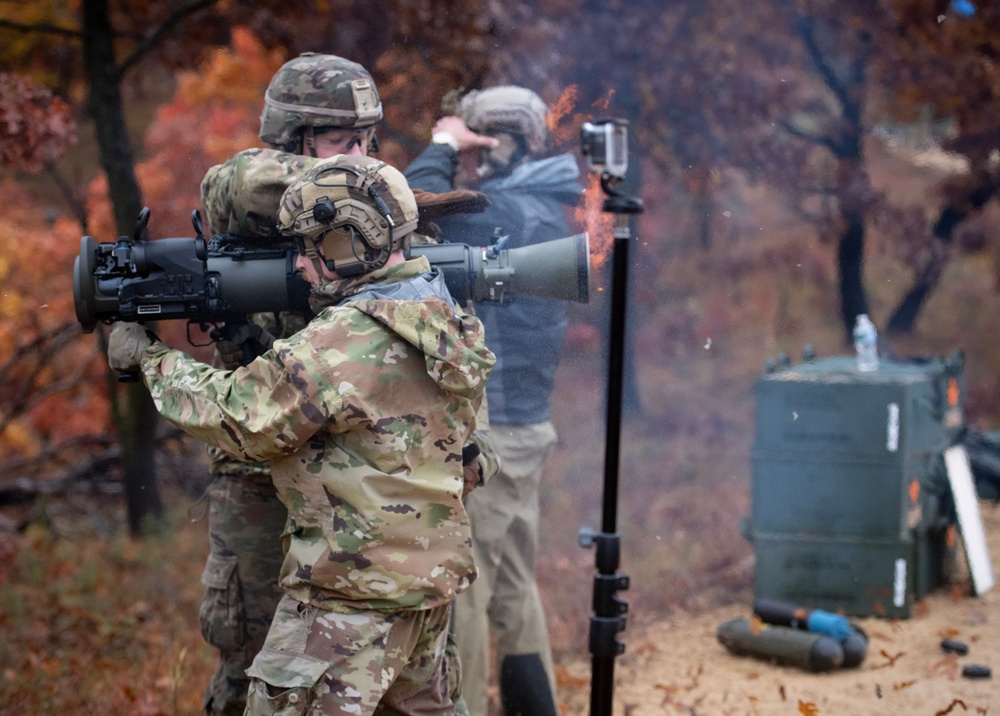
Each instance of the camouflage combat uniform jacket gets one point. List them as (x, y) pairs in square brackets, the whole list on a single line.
[(362, 416), (241, 196)]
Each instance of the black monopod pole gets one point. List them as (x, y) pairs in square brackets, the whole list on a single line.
[(609, 609)]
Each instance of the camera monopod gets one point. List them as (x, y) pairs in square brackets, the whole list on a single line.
[(605, 144)]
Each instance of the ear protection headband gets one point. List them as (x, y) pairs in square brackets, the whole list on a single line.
[(350, 222)]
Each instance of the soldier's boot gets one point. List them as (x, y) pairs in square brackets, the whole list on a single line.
[(524, 687)]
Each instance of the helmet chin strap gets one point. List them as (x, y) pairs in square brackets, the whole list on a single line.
[(308, 142), (313, 255)]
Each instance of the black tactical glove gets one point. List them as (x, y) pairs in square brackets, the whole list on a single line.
[(472, 470), (431, 206), (239, 343)]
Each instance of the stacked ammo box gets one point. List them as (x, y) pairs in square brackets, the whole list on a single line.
[(850, 506)]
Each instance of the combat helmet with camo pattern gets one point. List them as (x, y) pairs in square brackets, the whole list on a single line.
[(316, 91), (515, 115)]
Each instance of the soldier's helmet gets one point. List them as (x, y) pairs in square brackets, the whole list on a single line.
[(318, 91), (514, 115), (357, 209)]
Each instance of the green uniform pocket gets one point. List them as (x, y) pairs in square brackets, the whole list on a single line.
[(221, 614), (282, 683), (266, 700)]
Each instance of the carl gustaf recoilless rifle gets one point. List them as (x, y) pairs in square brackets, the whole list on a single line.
[(216, 283)]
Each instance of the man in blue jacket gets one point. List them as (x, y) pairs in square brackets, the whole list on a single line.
[(494, 142)]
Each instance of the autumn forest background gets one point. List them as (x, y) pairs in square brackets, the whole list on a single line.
[(799, 162)]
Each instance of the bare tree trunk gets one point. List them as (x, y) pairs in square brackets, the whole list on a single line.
[(850, 260), (852, 188), (846, 78), (137, 425), (904, 317)]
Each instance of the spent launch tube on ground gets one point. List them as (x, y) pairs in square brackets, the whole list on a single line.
[(774, 611), (807, 650), (852, 640)]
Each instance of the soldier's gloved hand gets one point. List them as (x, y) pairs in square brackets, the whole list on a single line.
[(239, 343), (434, 205), (472, 471), (126, 344)]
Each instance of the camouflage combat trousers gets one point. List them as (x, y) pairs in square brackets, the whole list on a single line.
[(352, 664), (245, 523), (504, 516)]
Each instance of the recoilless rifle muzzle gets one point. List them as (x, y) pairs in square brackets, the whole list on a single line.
[(229, 276)]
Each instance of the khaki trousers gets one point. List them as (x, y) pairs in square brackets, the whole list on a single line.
[(504, 516)]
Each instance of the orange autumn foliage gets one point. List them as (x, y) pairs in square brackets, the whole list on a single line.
[(51, 382), (222, 99), (36, 127)]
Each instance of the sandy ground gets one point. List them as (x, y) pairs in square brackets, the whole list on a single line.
[(678, 667)]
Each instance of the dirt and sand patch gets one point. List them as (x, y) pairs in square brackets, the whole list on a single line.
[(677, 666)]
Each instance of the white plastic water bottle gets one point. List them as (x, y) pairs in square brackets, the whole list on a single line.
[(866, 343)]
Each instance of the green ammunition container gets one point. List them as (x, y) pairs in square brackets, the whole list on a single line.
[(835, 495), (847, 482), (853, 576), (827, 408)]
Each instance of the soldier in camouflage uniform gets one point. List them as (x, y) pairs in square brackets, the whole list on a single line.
[(362, 417), (315, 105)]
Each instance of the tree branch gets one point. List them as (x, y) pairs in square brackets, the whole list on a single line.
[(25, 489), (174, 19), (43, 27), (829, 142), (807, 27), (57, 452), (76, 200), (95, 464), (24, 392)]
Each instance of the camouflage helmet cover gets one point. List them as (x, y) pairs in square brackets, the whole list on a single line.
[(319, 91), (346, 198), (507, 108)]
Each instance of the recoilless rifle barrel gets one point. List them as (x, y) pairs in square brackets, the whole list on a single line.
[(229, 276)]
